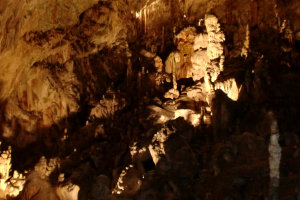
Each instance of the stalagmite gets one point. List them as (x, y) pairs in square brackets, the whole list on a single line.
[(215, 49), (9, 185), (274, 157)]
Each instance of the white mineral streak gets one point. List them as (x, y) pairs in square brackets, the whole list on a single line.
[(144, 13)]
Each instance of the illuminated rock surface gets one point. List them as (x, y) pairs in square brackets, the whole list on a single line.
[(150, 99)]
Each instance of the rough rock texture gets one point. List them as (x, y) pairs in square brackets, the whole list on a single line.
[(149, 99), (10, 184), (230, 88), (50, 68), (108, 106)]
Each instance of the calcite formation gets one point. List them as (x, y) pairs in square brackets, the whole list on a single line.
[(68, 192), (230, 88), (138, 153), (157, 147), (110, 103), (38, 183), (179, 63), (199, 55), (149, 99), (128, 183), (45, 99), (10, 184), (214, 48), (274, 155), (44, 168), (42, 94)]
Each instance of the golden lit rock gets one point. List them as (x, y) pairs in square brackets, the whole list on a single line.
[(230, 88)]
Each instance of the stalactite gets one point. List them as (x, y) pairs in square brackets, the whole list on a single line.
[(275, 8), (174, 73), (129, 72), (254, 13), (139, 23), (139, 81), (246, 46), (145, 22), (162, 48)]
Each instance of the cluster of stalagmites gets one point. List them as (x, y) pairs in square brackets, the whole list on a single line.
[(168, 151), (34, 183), (10, 183), (38, 183), (199, 56)]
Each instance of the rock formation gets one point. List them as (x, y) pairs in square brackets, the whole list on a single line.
[(10, 184), (149, 99)]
